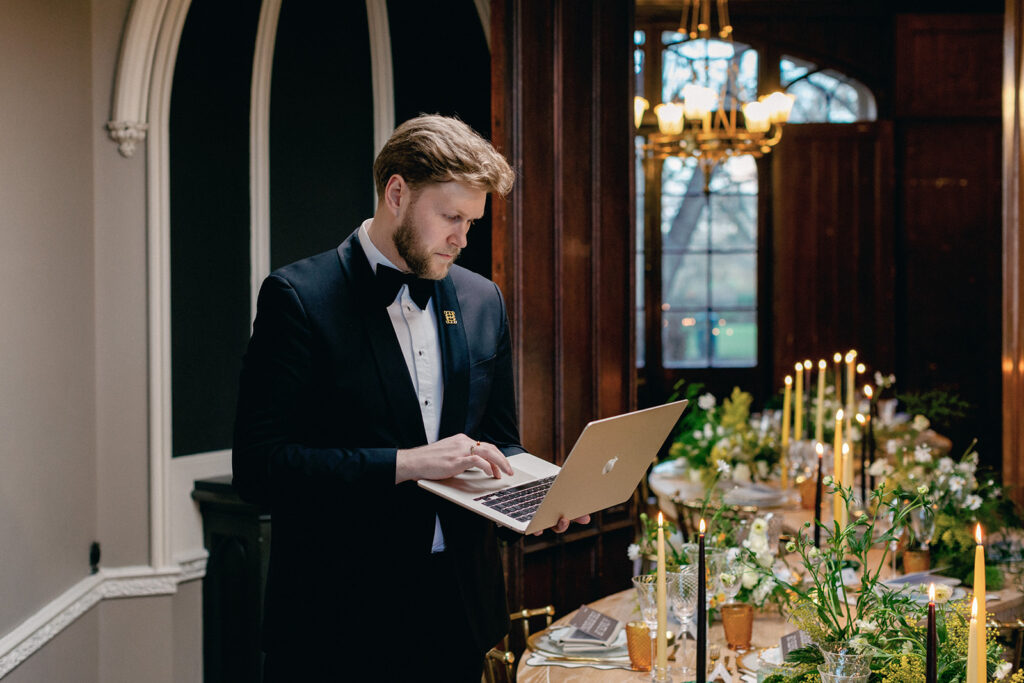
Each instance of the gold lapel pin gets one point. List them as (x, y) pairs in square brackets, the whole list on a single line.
[(449, 318)]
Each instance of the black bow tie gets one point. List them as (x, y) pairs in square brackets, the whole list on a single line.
[(389, 281)]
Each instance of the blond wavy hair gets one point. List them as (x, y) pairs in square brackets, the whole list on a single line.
[(439, 149)]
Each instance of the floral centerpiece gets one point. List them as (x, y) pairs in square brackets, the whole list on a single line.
[(709, 434), (856, 624)]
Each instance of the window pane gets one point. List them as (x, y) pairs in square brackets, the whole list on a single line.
[(686, 227), (733, 280), (677, 177), (736, 175), (684, 338), (641, 190), (684, 281), (640, 280), (810, 104), (734, 339), (641, 350), (734, 222)]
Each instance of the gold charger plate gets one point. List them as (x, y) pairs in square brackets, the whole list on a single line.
[(542, 643)]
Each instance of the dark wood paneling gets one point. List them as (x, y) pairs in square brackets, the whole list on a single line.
[(832, 253), (562, 256), (943, 63)]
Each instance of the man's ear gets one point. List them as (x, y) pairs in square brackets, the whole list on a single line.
[(396, 192)]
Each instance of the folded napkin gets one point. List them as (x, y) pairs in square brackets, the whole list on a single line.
[(537, 659)]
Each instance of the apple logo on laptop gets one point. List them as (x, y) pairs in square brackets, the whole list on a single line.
[(608, 466)]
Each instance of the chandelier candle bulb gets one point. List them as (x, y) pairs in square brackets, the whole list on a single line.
[(756, 117), (662, 613), (640, 105), (670, 118), (819, 418), (701, 663), (837, 465), (820, 450), (798, 403), (931, 660), (979, 598), (786, 407)]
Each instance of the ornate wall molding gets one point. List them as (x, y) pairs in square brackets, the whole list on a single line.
[(128, 121), (107, 584)]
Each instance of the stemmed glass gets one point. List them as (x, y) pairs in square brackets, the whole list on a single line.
[(727, 572), (682, 593)]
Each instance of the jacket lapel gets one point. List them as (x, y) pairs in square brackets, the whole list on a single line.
[(455, 355), (380, 336)]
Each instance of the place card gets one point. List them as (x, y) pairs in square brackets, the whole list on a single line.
[(593, 627), (793, 641)]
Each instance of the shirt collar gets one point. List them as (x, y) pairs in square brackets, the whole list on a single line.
[(373, 254)]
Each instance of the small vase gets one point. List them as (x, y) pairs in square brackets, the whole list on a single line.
[(738, 624), (845, 666), (806, 488), (916, 561)]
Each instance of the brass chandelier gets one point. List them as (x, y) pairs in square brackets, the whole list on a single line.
[(706, 124)]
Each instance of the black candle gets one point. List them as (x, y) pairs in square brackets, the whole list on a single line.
[(863, 459), (702, 611), (817, 497), (931, 663), (872, 415)]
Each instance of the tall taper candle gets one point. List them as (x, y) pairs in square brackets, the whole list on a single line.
[(872, 414), (851, 357), (787, 401), (807, 397), (662, 612), (847, 481), (819, 417), (972, 644), (979, 596), (837, 360), (798, 404), (931, 667), (837, 465), (862, 421), (702, 610), (820, 449)]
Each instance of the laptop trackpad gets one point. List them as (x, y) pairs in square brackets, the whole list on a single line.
[(527, 468)]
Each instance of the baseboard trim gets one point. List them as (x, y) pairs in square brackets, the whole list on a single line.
[(107, 584)]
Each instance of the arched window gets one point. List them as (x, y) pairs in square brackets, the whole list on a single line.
[(699, 305)]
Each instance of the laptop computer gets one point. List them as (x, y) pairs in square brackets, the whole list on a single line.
[(603, 469)]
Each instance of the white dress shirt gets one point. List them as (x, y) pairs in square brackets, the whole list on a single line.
[(417, 334)]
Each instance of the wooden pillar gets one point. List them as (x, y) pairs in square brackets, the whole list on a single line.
[(1013, 252), (562, 252)]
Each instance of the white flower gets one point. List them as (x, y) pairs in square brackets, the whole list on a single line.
[(813, 552), (633, 552), (697, 434), (719, 430), (973, 502), (908, 647), (920, 423), (866, 626), (750, 578), (923, 453), (727, 579), (943, 593), (827, 480), (956, 484), (706, 401), (763, 590), (759, 526), (880, 468), (791, 547), (1002, 670), (741, 473), (879, 379), (723, 467), (945, 465), (765, 558), (708, 430), (892, 446), (859, 643), (922, 489)]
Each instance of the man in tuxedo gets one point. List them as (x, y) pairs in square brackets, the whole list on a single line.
[(371, 366)]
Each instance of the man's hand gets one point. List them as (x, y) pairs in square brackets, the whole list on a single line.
[(563, 524), (448, 457)]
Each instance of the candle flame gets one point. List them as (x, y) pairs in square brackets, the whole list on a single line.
[(868, 391), (819, 448), (703, 526), (807, 365), (974, 609), (838, 357), (860, 419), (788, 380), (846, 447), (977, 533), (861, 368), (931, 592), (822, 365), (799, 367), (850, 355), (839, 415), (661, 519)]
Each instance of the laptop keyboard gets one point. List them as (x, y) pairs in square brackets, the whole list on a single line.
[(518, 502)]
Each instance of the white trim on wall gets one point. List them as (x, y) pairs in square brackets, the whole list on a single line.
[(259, 149), (382, 75), (108, 583), (158, 240)]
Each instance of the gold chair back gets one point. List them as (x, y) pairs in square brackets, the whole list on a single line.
[(499, 664)]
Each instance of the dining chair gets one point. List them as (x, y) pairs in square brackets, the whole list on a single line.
[(499, 666), (499, 663), (1013, 634)]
